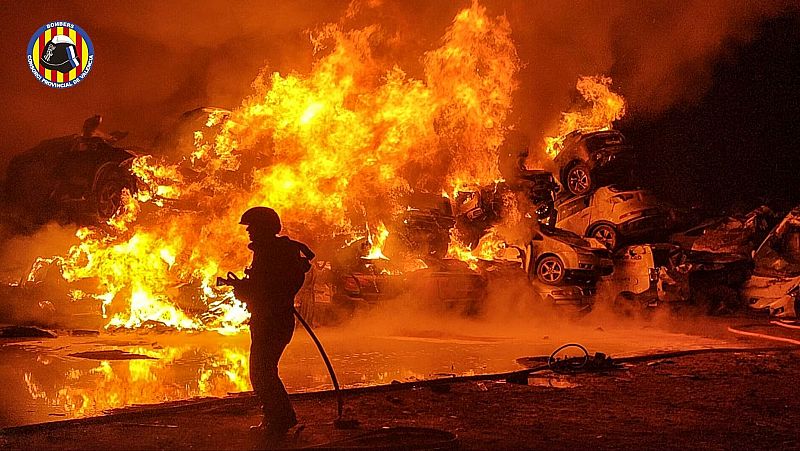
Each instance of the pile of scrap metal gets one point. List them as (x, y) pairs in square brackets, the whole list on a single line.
[(706, 265), (347, 278), (595, 167), (531, 193), (728, 234)]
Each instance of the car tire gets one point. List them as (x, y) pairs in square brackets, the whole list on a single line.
[(579, 179), (605, 234), (550, 270), (108, 193)]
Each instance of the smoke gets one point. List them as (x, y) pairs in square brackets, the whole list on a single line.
[(156, 59), (17, 253)]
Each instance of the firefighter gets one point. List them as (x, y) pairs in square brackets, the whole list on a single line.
[(273, 279)]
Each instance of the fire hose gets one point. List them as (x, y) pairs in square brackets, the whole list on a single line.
[(339, 422)]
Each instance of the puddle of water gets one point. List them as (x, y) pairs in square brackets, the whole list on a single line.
[(42, 382)]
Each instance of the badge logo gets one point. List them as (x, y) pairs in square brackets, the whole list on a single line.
[(60, 54)]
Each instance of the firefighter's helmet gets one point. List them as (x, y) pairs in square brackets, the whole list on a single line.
[(262, 217), (60, 55)]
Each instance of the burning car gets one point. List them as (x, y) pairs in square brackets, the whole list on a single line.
[(556, 256), (612, 213), (76, 178), (423, 228), (586, 160), (532, 192), (357, 278), (775, 284)]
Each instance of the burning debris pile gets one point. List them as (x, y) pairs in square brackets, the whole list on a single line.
[(335, 152), (399, 183)]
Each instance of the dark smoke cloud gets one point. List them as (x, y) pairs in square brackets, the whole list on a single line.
[(157, 59)]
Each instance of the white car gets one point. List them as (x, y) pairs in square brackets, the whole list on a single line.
[(611, 213), (774, 286), (776, 296), (647, 275), (556, 257)]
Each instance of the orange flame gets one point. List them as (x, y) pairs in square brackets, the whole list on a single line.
[(329, 151), (605, 108)]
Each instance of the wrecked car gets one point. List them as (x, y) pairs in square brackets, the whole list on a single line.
[(423, 228), (778, 297), (350, 281), (42, 297), (75, 178), (648, 275), (728, 234), (611, 214), (579, 296), (590, 159), (531, 192), (774, 287), (509, 267), (556, 257)]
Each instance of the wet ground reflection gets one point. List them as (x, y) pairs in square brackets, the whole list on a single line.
[(42, 381)]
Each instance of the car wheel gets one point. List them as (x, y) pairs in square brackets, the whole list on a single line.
[(108, 194), (579, 179), (550, 270), (605, 234)]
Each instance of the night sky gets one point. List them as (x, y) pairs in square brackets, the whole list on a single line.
[(740, 144)]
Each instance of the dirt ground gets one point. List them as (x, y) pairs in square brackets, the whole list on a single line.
[(711, 401)]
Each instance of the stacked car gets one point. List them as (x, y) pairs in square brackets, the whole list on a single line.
[(774, 287), (597, 203)]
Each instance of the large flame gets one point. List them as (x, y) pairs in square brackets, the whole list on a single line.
[(605, 107), (330, 151)]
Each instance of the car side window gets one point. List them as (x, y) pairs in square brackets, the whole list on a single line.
[(573, 206)]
